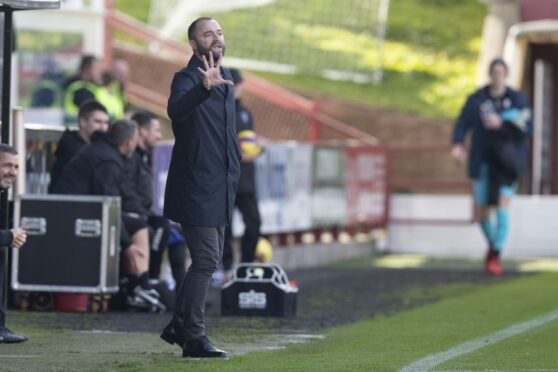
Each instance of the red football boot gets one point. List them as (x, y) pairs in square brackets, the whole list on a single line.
[(493, 267)]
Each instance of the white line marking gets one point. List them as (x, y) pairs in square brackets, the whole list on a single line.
[(101, 331), (18, 356), (434, 360)]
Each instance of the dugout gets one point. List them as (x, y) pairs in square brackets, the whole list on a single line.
[(525, 33), (532, 50)]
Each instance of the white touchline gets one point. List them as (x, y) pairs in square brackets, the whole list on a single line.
[(17, 356), (434, 360)]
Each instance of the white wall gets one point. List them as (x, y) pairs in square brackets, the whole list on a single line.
[(72, 17), (533, 227)]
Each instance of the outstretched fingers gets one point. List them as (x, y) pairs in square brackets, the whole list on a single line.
[(218, 64), (202, 71), (227, 82), (211, 60), (205, 63)]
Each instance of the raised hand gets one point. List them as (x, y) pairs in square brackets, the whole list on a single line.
[(212, 74)]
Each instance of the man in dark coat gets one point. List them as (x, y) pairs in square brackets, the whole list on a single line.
[(202, 179), (14, 238), (500, 121), (246, 199), (92, 117)]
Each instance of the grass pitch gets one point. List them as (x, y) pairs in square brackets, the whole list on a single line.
[(384, 343)]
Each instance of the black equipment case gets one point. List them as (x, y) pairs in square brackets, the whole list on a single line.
[(259, 290), (73, 244)]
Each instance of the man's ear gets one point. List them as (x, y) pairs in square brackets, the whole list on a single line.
[(141, 132), (193, 44)]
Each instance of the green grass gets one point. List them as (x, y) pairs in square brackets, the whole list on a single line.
[(430, 52), (381, 344), (523, 355), (397, 91), (390, 343), (138, 9)]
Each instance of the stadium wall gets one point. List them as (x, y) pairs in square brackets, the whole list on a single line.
[(441, 225)]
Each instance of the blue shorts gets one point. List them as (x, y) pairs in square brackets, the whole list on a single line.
[(480, 187)]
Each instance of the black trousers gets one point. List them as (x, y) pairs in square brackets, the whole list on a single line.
[(3, 285), (206, 249), (247, 204)]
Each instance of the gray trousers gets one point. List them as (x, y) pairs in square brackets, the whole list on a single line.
[(206, 249)]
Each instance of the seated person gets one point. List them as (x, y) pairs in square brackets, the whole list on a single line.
[(164, 233), (99, 169), (92, 117)]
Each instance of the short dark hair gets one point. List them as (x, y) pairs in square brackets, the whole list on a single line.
[(7, 149), (122, 131), (86, 61), (143, 118), (88, 107), (194, 25), (495, 62), (107, 78)]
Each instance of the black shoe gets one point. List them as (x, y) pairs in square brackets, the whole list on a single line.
[(8, 337), (171, 335), (201, 348)]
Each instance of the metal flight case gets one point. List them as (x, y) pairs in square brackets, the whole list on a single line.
[(72, 244)]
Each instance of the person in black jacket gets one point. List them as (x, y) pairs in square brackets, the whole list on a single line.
[(202, 179), (13, 238), (99, 169), (500, 120), (92, 117), (246, 199), (161, 229)]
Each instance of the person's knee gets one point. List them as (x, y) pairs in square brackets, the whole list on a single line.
[(484, 212), (504, 202), (136, 259), (207, 262)]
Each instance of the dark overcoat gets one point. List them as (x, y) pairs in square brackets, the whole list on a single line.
[(205, 163)]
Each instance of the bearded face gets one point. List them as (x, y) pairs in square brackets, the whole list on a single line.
[(8, 170), (209, 39), (215, 49)]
